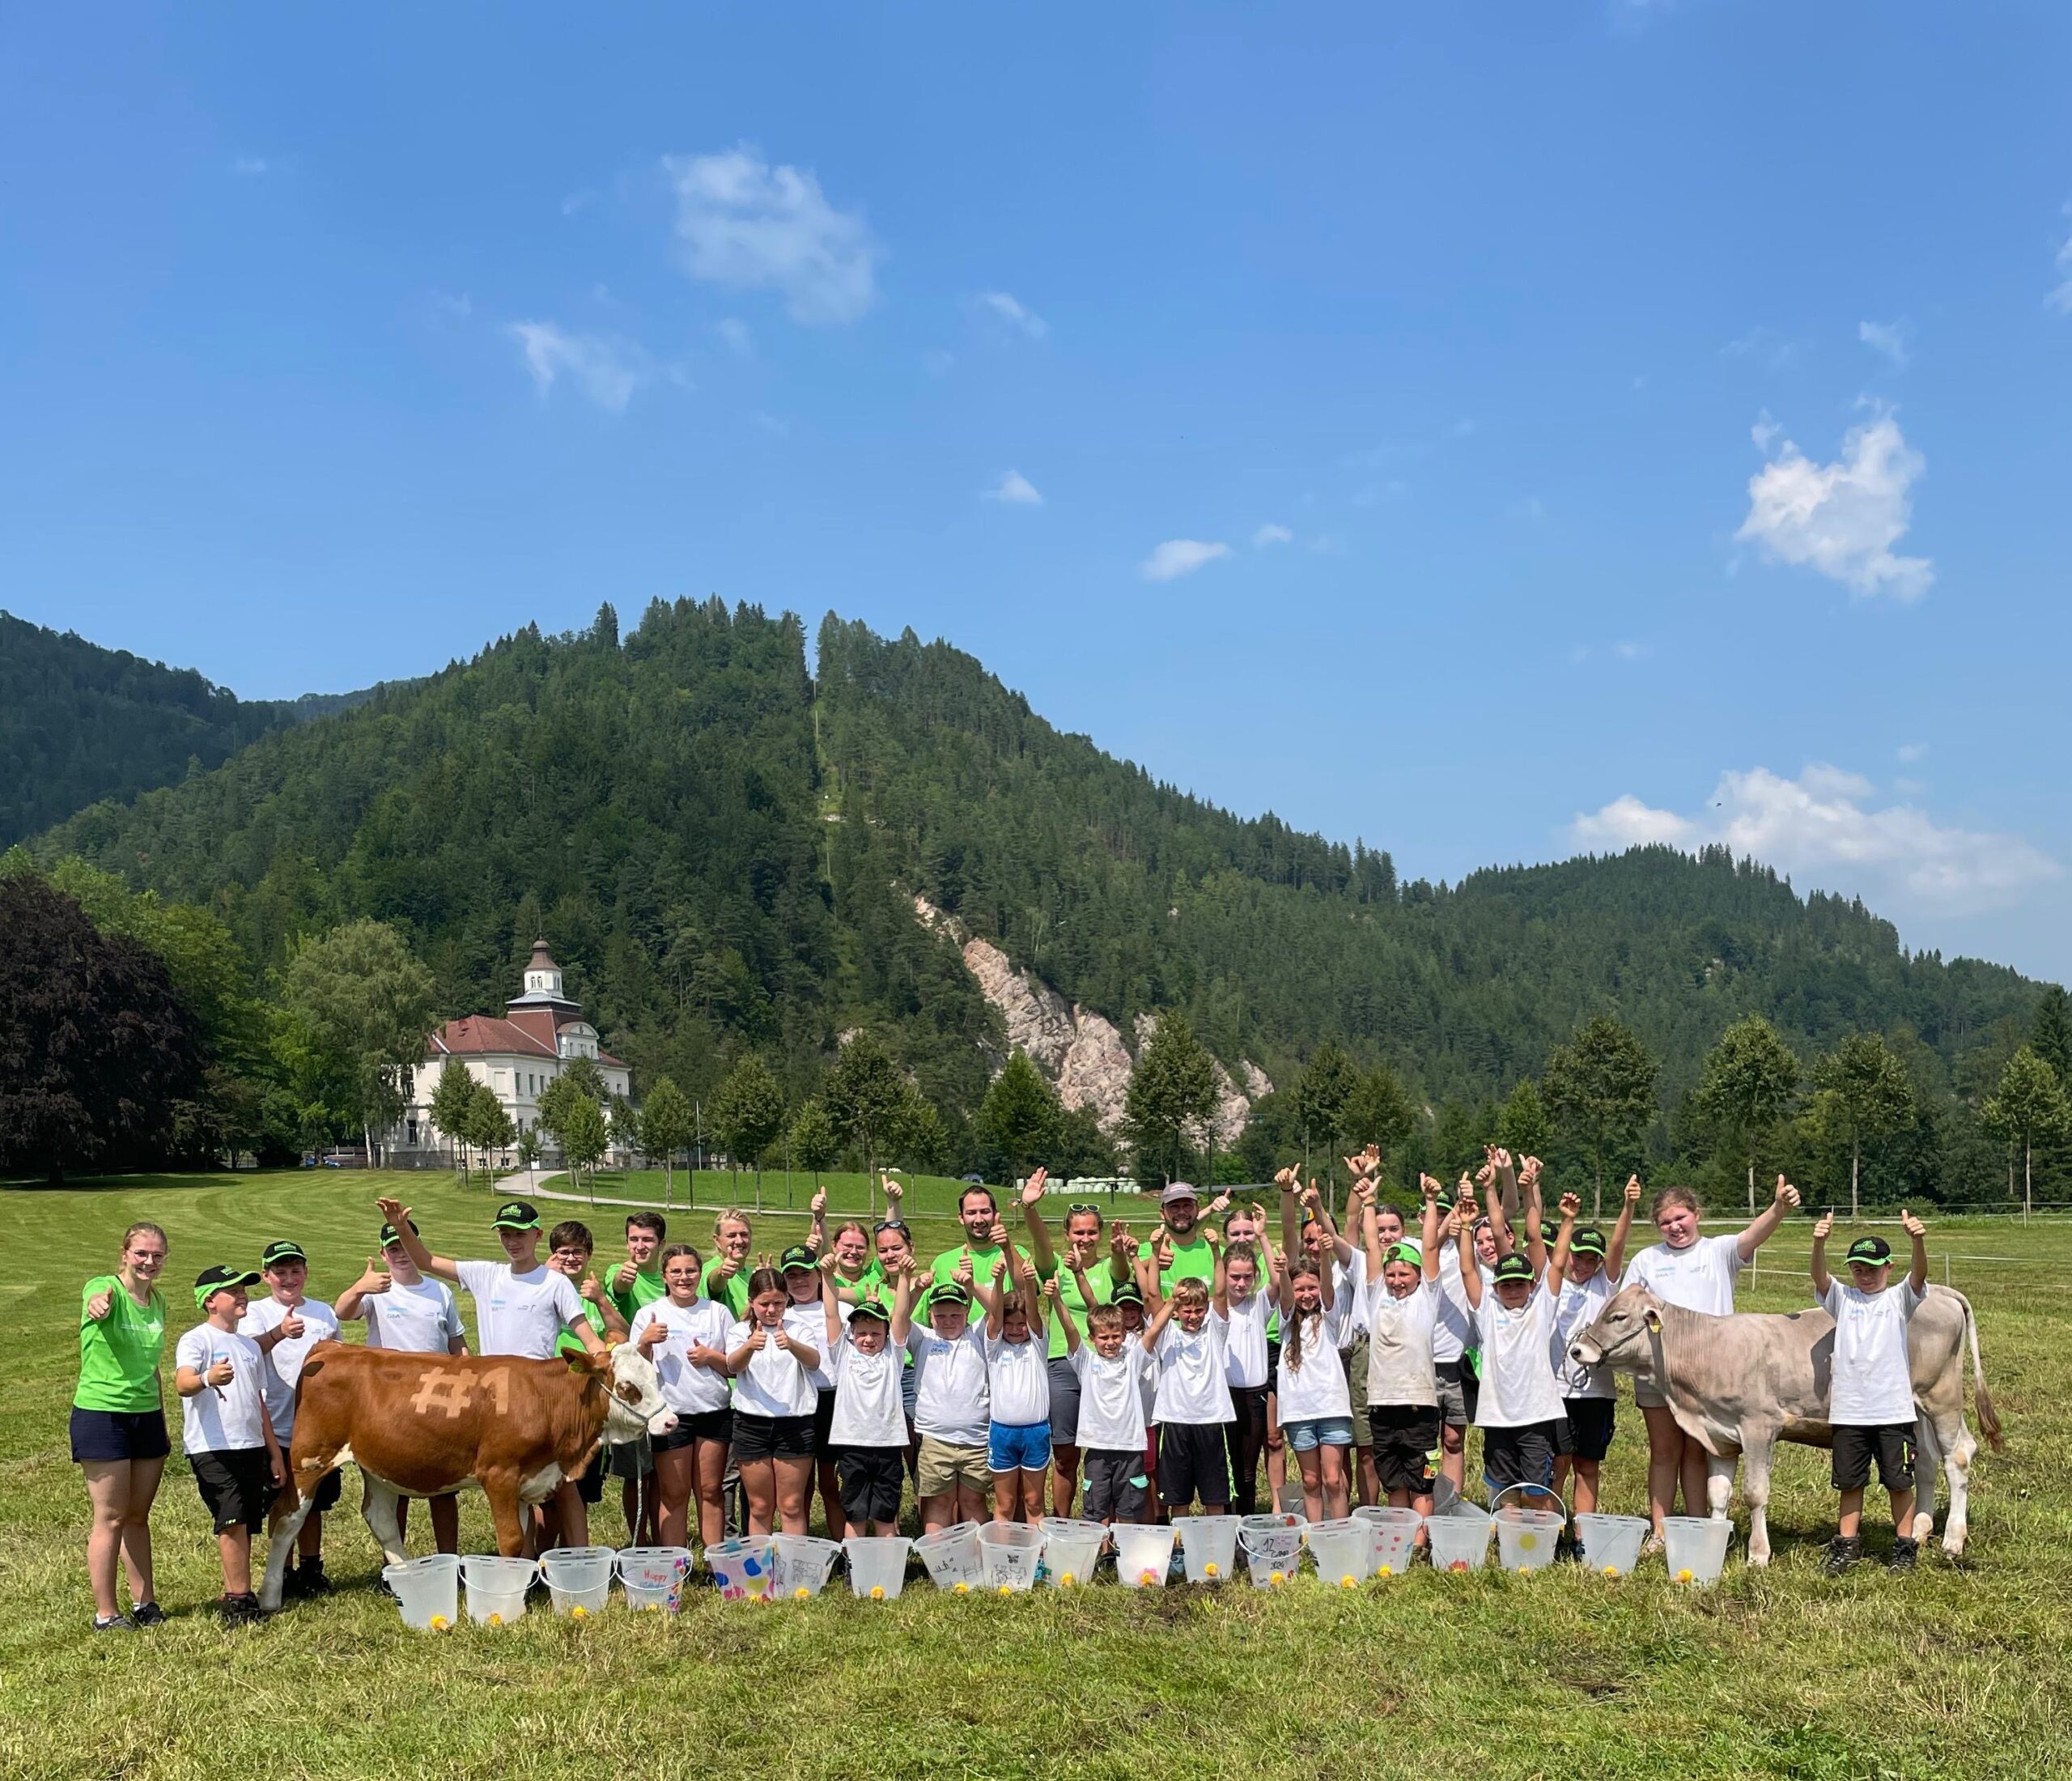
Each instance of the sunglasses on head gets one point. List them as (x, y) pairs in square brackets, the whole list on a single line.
[(1076, 1208), (889, 1224)]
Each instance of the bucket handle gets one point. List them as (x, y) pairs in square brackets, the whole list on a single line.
[(1536, 1489)]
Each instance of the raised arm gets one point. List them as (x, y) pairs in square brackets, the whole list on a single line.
[(1370, 1241), (354, 1297), (1219, 1289), (993, 1296), (1918, 1232), (1032, 1297), (1556, 1274), (830, 1303), (1771, 1217), (1614, 1248), (1535, 1244), (1055, 1292), (1493, 1205), (1157, 1327), (1032, 1219), (817, 1231), (1429, 1247), (903, 1303), (397, 1216), (1470, 1270), (1822, 1279)]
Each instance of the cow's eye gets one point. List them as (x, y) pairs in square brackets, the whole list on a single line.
[(629, 1394)]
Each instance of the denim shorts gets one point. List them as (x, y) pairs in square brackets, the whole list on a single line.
[(1022, 1447), (1327, 1431)]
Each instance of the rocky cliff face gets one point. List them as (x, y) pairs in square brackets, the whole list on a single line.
[(1080, 1050)]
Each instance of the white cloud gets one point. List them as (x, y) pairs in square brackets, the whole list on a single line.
[(1270, 534), (1841, 519), (1910, 752), (2061, 298), (1013, 313), (251, 167), (734, 332), (746, 223), (1889, 338), (1015, 489), (608, 372), (1827, 826), (1176, 557)]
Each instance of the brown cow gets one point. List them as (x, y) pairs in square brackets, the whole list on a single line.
[(422, 1425)]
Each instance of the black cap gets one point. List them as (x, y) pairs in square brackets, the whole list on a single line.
[(1129, 1293), (948, 1292), (516, 1215), (870, 1307), (1514, 1268), (1548, 1231), (800, 1254), (388, 1231), (215, 1279), (283, 1251), (1587, 1241), (1874, 1251)]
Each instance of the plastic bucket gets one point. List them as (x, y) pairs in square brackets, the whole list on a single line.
[(1209, 1546), (1344, 1550), (1008, 1552), (1611, 1544), (1071, 1549), (1526, 1538), (877, 1566), (1142, 1555), (1460, 1540), (951, 1555), (743, 1569), (803, 1563), (427, 1590), (1395, 1537), (579, 1577), (496, 1588), (1272, 1546), (652, 1577), (1695, 1547)]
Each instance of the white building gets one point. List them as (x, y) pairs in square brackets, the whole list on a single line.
[(516, 1053)]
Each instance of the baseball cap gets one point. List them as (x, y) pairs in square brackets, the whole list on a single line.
[(1409, 1250), (1548, 1231), (799, 1255), (215, 1279), (1129, 1293), (1588, 1241), (388, 1231), (281, 1251), (948, 1292), (870, 1307), (516, 1215), (1179, 1190), (1875, 1251), (1514, 1268)]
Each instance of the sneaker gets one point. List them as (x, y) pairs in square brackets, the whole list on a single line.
[(114, 1623), (241, 1610), (148, 1613), (1842, 1553), (310, 1579), (1904, 1552)]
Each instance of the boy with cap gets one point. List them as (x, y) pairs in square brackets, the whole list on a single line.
[(225, 1430), (1518, 1408), (800, 1264), (1113, 1366), (1589, 1400), (952, 1407), (865, 1352), (1870, 1406), (1402, 1311), (287, 1326), (522, 1306)]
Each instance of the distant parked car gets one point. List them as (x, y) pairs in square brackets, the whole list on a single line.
[(973, 1180)]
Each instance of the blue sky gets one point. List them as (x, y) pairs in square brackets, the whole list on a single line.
[(1495, 433)]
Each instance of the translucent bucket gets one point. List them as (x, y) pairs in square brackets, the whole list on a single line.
[(1209, 1546), (1695, 1547), (652, 1577), (1611, 1544), (1071, 1549), (1272, 1546), (1344, 1549), (1526, 1538), (1008, 1555), (1143, 1556), (496, 1588), (743, 1569), (951, 1555), (1395, 1537), (1460, 1540), (877, 1566), (427, 1590), (803, 1563), (579, 1577)]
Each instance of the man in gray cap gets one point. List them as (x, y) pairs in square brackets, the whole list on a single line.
[(1183, 1251)]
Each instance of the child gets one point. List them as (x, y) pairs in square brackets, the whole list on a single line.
[(685, 1336), (287, 1326), (1588, 1398), (228, 1437), (952, 1406), (1315, 1403), (1519, 1407), (1189, 1337), (1246, 1366), (1111, 1427), (799, 1266), (1129, 1297), (866, 1357), (522, 1307), (1870, 1406), (774, 1399), (1403, 1390), (565, 1518), (1017, 1346)]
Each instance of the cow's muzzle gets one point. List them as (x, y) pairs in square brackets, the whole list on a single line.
[(662, 1422), (1583, 1354)]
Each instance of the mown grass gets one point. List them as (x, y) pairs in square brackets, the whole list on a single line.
[(1957, 1671)]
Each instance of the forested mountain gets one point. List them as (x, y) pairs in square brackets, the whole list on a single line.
[(723, 851), (80, 723)]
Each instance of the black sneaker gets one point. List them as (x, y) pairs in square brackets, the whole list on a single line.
[(1904, 1552), (114, 1623), (1842, 1553), (148, 1613), (310, 1579), (241, 1610)]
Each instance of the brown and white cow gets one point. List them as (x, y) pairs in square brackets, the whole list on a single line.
[(1738, 1385), (422, 1425)]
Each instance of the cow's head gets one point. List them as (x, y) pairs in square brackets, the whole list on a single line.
[(1624, 1337), (633, 1396)]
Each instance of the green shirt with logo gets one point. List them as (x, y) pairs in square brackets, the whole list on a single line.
[(119, 1353), (647, 1286)]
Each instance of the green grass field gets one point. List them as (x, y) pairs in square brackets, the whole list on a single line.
[(848, 1194), (1959, 1672)]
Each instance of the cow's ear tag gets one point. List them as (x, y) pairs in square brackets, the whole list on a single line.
[(1654, 1322)]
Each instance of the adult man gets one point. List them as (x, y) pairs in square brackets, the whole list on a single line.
[(637, 1282), (296, 1324), (979, 1213), (1183, 1249)]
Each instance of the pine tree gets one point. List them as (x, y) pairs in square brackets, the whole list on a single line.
[(1600, 1093), (1172, 1091), (1747, 1087), (1522, 1121)]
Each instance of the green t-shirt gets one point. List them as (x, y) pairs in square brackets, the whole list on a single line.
[(984, 1261), (646, 1289), (1194, 1261), (1100, 1278), (732, 1293), (119, 1355), (570, 1343)]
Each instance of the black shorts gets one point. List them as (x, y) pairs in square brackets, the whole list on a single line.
[(1194, 1461), (823, 1423), (236, 1486), (329, 1490), (772, 1437), (1460, 1393), (590, 1487), (1890, 1444), (118, 1434), (1405, 1437), (1116, 1487), (872, 1481), (696, 1426), (1520, 1455), (1590, 1420)]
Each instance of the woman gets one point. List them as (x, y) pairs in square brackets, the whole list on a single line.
[(118, 1424), (1696, 1273)]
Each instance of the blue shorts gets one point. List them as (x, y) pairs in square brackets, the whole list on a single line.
[(1026, 1448), (1319, 1431)]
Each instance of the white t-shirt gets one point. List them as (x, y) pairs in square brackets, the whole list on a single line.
[(283, 1362), (1577, 1309), (773, 1383), (1192, 1386), (868, 1412), (1019, 1376), (808, 1324), (222, 1419), (1352, 1278), (1517, 1365), (1698, 1278), (952, 1398), (418, 1319), (1110, 1403), (1451, 1330), (520, 1314), (687, 1387), (1244, 1354), (1873, 1382), (1400, 1334), (1318, 1387)]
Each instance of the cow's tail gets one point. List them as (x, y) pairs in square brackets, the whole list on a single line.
[(1988, 1422)]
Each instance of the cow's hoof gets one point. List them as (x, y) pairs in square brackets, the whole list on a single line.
[(1759, 1560)]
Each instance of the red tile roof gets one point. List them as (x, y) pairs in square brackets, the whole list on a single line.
[(530, 1033)]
